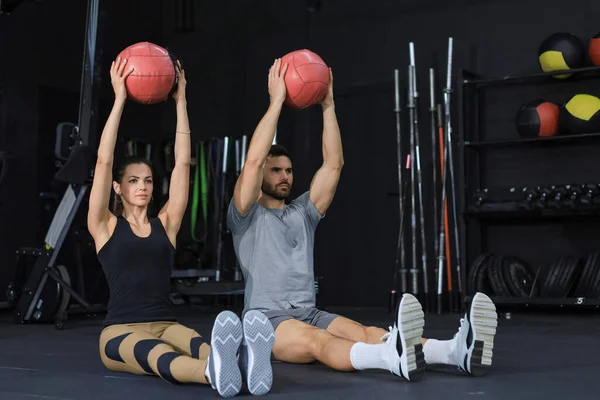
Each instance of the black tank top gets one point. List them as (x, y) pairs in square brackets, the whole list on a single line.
[(138, 272)]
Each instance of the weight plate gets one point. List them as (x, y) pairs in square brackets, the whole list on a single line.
[(583, 283), (572, 272), (594, 291), (64, 296), (496, 278), (491, 275), (482, 278), (475, 271), (550, 278), (518, 277), (556, 284)]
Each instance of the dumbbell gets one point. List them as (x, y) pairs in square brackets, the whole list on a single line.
[(544, 193), (481, 196), (530, 194), (574, 194)]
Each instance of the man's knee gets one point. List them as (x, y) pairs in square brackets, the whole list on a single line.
[(317, 341), (373, 334)]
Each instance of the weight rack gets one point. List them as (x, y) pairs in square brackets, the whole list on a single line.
[(471, 145)]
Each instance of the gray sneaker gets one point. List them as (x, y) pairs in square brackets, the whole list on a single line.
[(223, 368), (255, 352)]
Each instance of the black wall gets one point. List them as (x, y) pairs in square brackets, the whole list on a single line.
[(227, 57)]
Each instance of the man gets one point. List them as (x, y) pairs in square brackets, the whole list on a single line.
[(274, 246)]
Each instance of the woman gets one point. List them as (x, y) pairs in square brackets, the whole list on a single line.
[(141, 335)]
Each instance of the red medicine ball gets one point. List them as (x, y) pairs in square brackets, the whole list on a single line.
[(154, 75), (594, 49), (306, 79), (538, 118)]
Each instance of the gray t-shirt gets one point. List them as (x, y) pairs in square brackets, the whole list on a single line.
[(275, 250)]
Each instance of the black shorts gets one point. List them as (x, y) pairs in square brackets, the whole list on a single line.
[(312, 316)]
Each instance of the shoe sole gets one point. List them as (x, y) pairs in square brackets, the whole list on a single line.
[(411, 321), (223, 364), (483, 321), (260, 338)]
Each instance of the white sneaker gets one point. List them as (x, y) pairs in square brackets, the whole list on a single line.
[(255, 352), (406, 351), (475, 337), (224, 372)]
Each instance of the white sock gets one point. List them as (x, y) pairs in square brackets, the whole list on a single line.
[(438, 351), (206, 374), (368, 356)]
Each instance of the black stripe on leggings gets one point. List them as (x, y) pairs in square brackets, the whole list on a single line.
[(195, 344), (142, 349), (164, 366), (111, 349)]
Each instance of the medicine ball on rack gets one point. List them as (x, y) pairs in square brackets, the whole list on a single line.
[(561, 51), (580, 114), (594, 49), (537, 118)]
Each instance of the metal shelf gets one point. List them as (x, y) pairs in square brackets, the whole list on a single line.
[(542, 76), (544, 301), (511, 210), (559, 139)]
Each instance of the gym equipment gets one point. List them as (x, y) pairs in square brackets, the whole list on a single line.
[(306, 79), (444, 244), (537, 118), (447, 107), (575, 197), (501, 275), (45, 294), (414, 270), (593, 290), (496, 277), (588, 272), (400, 265), (580, 114), (154, 76), (518, 277), (562, 276), (594, 49), (434, 158), (477, 279), (561, 51), (414, 98)]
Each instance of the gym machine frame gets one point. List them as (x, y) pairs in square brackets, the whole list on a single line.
[(469, 174), (85, 135)]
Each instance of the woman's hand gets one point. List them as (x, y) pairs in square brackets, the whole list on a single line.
[(118, 78), (179, 93)]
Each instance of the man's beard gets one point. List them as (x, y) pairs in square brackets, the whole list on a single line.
[(271, 191)]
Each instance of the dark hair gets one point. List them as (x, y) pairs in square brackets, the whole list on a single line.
[(278, 150), (118, 177)]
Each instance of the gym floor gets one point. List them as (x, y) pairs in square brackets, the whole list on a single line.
[(551, 356)]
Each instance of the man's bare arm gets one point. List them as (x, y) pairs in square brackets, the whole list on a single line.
[(247, 187), (325, 181)]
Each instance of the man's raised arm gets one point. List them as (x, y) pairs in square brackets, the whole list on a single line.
[(325, 181), (247, 187)]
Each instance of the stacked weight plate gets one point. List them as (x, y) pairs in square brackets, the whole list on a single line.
[(509, 276)]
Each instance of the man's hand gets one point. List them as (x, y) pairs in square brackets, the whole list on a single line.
[(277, 89), (328, 99)]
